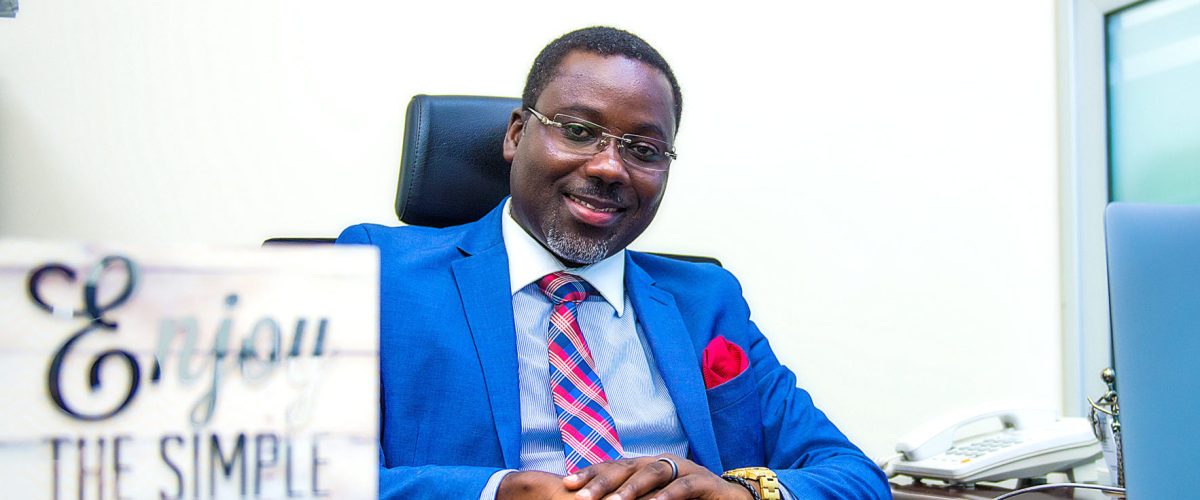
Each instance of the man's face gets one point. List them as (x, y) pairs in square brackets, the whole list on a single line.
[(584, 208)]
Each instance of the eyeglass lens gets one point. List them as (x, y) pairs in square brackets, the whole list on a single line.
[(584, 137)]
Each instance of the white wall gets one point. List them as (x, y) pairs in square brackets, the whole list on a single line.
[(881, 175)]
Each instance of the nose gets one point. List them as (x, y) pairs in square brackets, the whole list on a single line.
[(607, 164)]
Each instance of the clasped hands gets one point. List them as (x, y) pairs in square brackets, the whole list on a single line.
[(625, 479)]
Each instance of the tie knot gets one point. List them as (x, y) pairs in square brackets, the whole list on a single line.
[(562, 287)]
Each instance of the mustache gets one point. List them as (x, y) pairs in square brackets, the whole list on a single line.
[(595, 188)]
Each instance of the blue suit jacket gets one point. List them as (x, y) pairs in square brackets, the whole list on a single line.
[(449, 403)]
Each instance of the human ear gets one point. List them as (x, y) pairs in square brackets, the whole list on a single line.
[(512, 136)]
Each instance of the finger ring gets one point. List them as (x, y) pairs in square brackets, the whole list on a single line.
[(674, 467)]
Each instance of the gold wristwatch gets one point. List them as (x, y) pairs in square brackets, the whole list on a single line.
[(768, 482)]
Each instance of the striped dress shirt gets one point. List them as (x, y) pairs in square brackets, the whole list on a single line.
[(638, 400), (637, 396)]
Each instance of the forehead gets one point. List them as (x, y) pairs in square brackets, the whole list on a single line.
[(614, 91)]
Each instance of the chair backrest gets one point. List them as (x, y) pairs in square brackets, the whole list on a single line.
[(452, 170)]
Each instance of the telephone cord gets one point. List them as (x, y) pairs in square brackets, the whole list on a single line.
[(889, 465)]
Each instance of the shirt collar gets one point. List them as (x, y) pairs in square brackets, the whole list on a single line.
[(528, 261)]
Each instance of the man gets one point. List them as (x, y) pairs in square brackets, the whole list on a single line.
[(529, 355)]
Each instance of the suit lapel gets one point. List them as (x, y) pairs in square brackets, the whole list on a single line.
[(482, 278), (676, 359)]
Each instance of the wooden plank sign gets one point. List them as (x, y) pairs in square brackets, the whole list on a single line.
[(188, 373)]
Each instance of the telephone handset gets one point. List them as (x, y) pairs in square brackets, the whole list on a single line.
[(1032, 443)]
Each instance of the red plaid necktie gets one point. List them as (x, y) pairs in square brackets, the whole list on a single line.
[(588, 433)]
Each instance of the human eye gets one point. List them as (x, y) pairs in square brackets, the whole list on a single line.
[(645, 151), (578, 132)]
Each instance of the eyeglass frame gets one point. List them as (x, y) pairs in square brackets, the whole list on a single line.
[(605, 135)]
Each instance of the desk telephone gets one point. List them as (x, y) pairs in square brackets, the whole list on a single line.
[(1032, 443)]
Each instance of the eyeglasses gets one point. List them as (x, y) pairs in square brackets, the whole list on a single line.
[(586, 138)]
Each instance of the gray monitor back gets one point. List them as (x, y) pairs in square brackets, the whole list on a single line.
[(1154, 295)]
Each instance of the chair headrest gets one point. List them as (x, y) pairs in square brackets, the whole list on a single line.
[(452, 170)]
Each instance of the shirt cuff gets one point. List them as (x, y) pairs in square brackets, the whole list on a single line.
[(493, 484), (783, 491)]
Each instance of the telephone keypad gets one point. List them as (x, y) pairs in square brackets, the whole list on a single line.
[(981, 447)]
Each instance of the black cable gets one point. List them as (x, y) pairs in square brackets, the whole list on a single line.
[(1040, 487)]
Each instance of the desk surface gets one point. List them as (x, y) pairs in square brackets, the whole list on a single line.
[(922, 491)]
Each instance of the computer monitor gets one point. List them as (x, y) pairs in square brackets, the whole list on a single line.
[(1154, 294)]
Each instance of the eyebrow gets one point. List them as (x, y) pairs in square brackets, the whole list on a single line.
[(591, 114)]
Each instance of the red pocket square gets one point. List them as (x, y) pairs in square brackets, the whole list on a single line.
[(723, 360)]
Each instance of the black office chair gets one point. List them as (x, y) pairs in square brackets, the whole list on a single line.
[(452, 170)]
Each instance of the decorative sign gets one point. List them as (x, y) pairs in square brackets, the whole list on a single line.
[(190, 373)]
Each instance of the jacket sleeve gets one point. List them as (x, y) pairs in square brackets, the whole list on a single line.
[(432, 481), (811, 456), (428, 481)]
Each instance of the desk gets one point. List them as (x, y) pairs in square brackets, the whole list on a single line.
[(933, 491)]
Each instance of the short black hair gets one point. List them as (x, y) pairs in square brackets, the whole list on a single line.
[(601, 40)]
